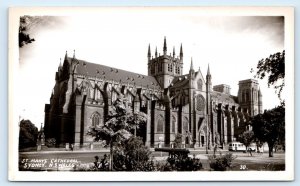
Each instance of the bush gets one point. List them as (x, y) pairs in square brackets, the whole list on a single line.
[(180, 163), (222, 162), (132, 156)]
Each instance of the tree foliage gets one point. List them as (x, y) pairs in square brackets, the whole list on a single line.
[(120, 125), (24, 37), (274, 68), (246, 138), (270, 127), (28, 134)]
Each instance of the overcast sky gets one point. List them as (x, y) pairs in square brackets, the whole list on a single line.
[(230, 45)]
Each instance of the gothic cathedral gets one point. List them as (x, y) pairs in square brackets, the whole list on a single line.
[(175, 103)]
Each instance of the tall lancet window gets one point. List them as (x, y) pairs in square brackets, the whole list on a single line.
[(97, 120), (160, 125), (173, 124)]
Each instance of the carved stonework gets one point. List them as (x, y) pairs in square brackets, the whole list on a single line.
[(200, 101)]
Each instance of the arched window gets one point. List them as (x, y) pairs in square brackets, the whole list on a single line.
[(199, 84), (200, 102), (173, 124), (97, 120), (160, 125), (185, 126)]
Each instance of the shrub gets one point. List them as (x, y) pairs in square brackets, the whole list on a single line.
[(222, 162), (132, 156), (180, 163)]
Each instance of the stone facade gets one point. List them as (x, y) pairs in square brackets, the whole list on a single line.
[(174, 103)]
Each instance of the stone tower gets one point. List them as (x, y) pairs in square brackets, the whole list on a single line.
[(165, 67), (249, 97)]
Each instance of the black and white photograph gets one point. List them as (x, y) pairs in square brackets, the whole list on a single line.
[(151, 94)]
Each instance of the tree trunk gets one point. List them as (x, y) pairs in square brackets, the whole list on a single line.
[(270, 149)]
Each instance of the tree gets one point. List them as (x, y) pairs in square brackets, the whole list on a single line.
[(24, 37), (270, 127), (28, 134), (274, 66), (119, 126), (246, 138)]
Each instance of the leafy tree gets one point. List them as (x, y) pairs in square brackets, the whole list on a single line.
[(28, 134), (273, 67), (120, 125), (24, 37), (246, 138), (270, 127)]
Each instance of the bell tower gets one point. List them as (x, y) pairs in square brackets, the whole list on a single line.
[(165, 67), (249, 96)]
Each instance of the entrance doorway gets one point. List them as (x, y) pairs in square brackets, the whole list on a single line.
[(202, 141)]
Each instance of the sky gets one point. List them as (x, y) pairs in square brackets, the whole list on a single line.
[(231, 45)]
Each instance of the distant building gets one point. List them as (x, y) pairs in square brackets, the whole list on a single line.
[(175, 103)]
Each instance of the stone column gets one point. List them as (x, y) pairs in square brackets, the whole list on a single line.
[(148, 128)]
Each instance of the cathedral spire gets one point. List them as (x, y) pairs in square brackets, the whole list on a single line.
[(165, 46), (208, 80), (208, 71), (60, 62), (192, 67), (149, 52), (156, 52), (181, 52), (66, 56), (173, 51)]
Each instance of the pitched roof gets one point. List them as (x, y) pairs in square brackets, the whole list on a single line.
[(115, 74), (180, 81)]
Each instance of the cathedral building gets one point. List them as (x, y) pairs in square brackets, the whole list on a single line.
[(175, 103)]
